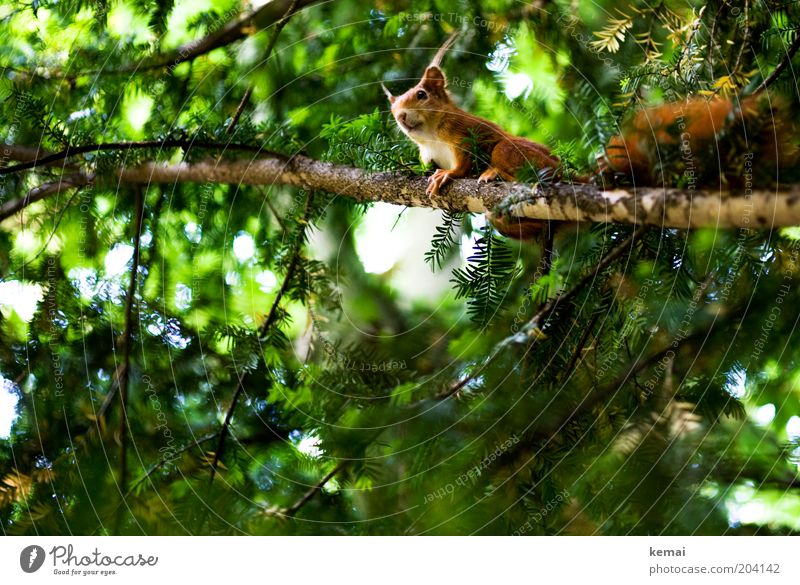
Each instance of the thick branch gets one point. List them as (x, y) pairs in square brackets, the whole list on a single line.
[(673, 208), (572, 202)]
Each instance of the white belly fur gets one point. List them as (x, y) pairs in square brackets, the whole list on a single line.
[(439, 152)]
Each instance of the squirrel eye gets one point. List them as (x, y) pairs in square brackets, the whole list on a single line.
[(421, 95)]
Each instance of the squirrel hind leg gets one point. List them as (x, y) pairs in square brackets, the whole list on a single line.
[(509, 156), (492, 173)]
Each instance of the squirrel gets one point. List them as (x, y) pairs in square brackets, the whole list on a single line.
[(443, 132), (693, 130)]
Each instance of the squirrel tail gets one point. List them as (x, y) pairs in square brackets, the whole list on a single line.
[(713, 138)]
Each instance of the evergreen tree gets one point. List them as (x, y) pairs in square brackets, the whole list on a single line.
[(218, 356)]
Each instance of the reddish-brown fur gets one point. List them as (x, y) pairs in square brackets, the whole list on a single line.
[(692, 124), (427, 115), (442, 130)]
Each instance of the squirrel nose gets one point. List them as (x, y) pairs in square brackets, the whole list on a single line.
[(402, 117)]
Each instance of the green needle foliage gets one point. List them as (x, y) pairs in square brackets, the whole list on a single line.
[(275, 382)]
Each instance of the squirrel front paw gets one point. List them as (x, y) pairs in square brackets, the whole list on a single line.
[(438, 180)]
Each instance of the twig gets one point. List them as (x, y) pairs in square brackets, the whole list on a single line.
[(596, 396), (231, 32), (273, 39), (787, 59), (170, 143), (279, 27), (744, 41), (242, 104), (294, 508), (164, 460), (44, 191), (657, 206), (576, 355), (548, 307), (262, 332), (124, 374), (524, 335)]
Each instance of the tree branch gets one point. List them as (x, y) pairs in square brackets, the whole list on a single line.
[(561, 202), (32, 159), (271, 13), (124, 375), (262, 333), (239, 28), (273, 39), (44, 191), (294, 508), (674, 208), (787, 59)]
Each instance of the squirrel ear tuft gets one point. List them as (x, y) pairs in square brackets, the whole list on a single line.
[(434, 79), (388, 94)]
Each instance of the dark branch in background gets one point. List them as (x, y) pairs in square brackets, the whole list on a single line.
[(597, 396), (576, 355), (262, 333), (294, 508), (168, 458), (45, 191), (123, 375), (21, 153), (235, 30), (153, 468), (271, 13), (527, 331), (787, 59), (566, 296), (561, 201), (242, 105), (49, 159), (273, 39)]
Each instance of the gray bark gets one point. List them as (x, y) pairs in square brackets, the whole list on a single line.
[(573, 202), (569, 202)]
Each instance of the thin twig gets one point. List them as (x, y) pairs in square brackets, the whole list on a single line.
[(242, 104), (294, 508), (548, 307), (44, 191), (127, 341), (279, 27), (524, 335), (273, 39), (787, 59), (231, 32), (744, 41), (262, 333), (576, 355)]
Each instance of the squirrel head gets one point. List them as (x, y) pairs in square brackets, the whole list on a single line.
[(419, 110)]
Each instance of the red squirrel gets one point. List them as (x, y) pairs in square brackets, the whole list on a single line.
[(443, 132)]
